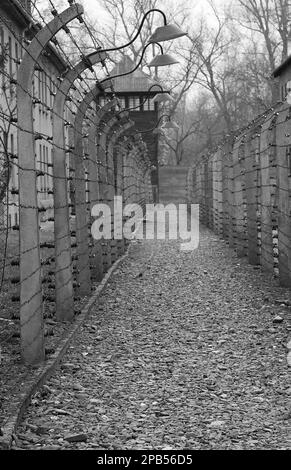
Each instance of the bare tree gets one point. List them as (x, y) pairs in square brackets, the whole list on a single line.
[(268, 19), (232, 61), (233, 69), (213, 48), (176, 140)]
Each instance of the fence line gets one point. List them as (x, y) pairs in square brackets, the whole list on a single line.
[(94, 156), (244, 191)]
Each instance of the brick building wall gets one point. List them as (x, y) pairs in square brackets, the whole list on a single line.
[(14, 22)]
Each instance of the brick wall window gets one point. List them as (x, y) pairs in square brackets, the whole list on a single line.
[(133, 101), (149, 105), (122, 101)]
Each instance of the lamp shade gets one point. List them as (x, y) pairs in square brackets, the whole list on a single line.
[(166, 33), (162, 98), (170, 125), (161, 60)]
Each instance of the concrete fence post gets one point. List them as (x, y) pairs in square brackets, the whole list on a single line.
[(217, 192), (107, 109), (284, 189), (63, 264), (226, 189), (108, 187), (31, 304), (238, 206), (94, 198), (251, 167), (267, 183), (82, 216), (117, 159)]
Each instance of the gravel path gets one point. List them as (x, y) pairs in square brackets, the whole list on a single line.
[(182, 352)]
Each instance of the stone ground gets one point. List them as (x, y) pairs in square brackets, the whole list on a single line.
[(182, 352)]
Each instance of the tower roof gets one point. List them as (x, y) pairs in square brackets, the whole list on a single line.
[(138, 81), (282, 67)]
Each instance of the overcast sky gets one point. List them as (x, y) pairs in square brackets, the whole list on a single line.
[(92, 8)]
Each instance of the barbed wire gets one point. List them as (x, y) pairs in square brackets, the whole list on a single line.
[(244, 190), (121, 169)]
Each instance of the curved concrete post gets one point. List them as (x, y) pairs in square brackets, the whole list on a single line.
[(105, 187), (132, 175), (110, 254), (119, 247), (82, 236), (103, 177), (101, 157), (118, 134), (127, 171), (117, 162), (92, 146), (94, 190), (135, 169), (63, 263), (31, 304), (101, 154), (140, 164), (104, 147), (94, 196)]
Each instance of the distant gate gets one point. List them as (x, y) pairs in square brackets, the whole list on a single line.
[(172, 184)]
